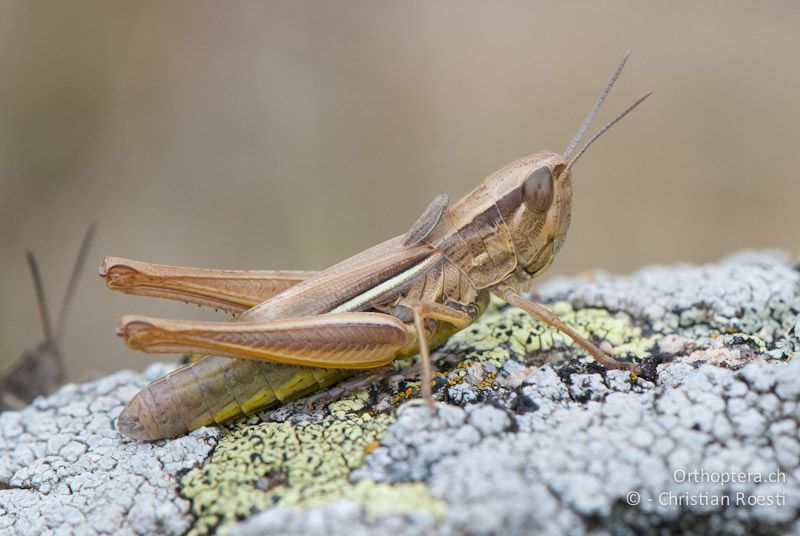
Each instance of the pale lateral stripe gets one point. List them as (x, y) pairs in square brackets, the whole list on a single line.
[(396, 281)]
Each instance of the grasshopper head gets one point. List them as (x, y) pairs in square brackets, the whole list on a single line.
[(511, 227), (534, 196)]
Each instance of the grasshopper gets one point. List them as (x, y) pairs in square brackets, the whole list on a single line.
[(301, 331), (40, 370)]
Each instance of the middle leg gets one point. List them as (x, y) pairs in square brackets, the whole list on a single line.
[(433, 311)]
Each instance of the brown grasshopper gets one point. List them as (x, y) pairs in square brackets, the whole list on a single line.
[(40, 370), (301, 331)]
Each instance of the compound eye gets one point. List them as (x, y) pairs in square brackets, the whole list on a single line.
[(537, 190)]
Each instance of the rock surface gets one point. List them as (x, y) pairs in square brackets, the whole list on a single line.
[(65, 469), (531, 436)]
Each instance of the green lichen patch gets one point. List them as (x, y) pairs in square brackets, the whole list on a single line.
[(402, 498), (510, 331), (260, 464)]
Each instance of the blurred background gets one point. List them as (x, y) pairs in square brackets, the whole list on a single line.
[(293, 134)]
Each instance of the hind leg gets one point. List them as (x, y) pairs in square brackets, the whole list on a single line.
[(233, 291)]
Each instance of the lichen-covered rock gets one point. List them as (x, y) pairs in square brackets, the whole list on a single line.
[(748, 299), (529, 435), (65, 469), (573, 467)]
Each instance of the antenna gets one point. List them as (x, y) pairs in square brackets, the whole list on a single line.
[(596, 107), (73, 281), (40, 297), (603, 130)]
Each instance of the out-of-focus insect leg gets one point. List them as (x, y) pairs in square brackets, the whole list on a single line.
[(347, 387), (335, 340), (432, 311), (234, 291), (541, 313)]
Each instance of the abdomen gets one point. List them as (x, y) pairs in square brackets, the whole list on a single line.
[(214, 390)]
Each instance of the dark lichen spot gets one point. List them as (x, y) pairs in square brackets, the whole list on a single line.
[(565, 373), (522, 403), (271, 480), (648, 367)]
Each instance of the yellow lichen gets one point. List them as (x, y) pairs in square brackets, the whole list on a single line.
[(256, 465), (512, 331)]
